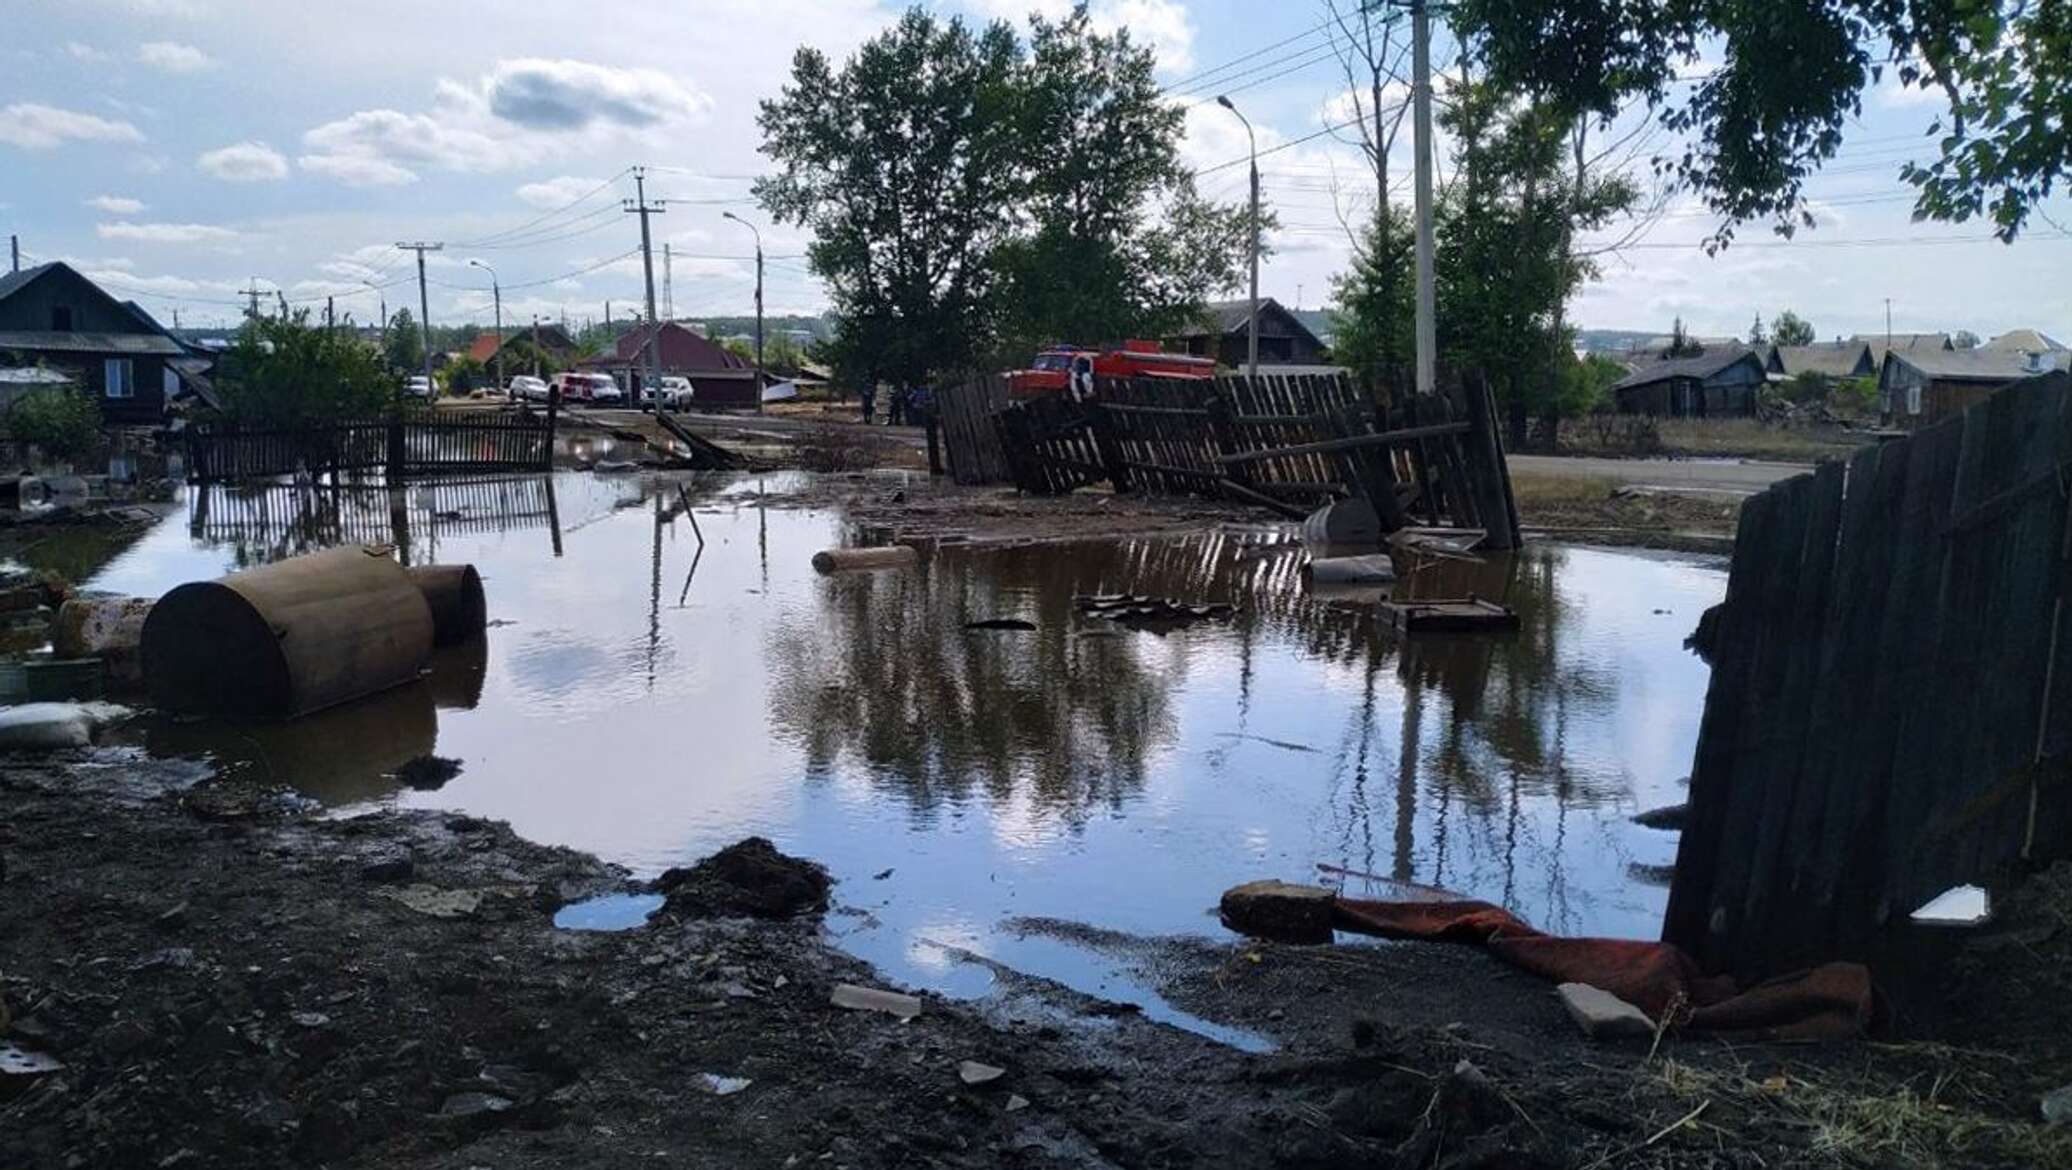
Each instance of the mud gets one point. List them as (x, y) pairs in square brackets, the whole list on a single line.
[(267, 986)]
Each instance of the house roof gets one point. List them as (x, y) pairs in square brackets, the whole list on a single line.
[(14, 280), (1705, 366), (2026, 341), (1972, 365), (1222, 318), (1836, 359), (484, 346), (683, 351), (1905, 343), (134, 344)]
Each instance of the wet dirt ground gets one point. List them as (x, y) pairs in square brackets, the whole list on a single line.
[(230, 979)]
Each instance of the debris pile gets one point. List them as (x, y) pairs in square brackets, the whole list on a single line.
[(749, 879)]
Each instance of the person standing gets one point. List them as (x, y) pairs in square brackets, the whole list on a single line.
[(869, 394)]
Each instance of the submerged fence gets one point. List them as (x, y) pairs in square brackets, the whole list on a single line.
[(1889, 712), (415, 443), (1286, 443)]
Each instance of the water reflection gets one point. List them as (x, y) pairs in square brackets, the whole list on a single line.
[(263, 522), (671, 676)]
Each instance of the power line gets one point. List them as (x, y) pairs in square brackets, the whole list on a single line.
[(1189, 80), (544, 216)]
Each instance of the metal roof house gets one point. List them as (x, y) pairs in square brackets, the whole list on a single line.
[(2026, 341), (114, 350), (1719, 383), (719, 377), (1223, 334), (1834, 359), (1918, 388)]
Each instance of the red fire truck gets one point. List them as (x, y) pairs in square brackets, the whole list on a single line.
[(1072, 371)]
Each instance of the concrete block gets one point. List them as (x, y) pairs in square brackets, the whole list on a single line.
[(1604, 1016)]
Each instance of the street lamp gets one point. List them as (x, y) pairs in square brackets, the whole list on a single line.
[(380, 298), (1252, 342), (496, 291), (758, 305)]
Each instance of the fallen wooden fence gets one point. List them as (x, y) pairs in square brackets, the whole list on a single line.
[(1288, 444), (1888, 714)]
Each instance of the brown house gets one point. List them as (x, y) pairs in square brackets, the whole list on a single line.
[(552, 339), (52, 316), (719, 378), (1918, 388), (1719, 383), (1223, 333)]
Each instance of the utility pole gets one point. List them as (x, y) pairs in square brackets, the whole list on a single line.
[(252, 292), (535, 345), (496, 291), (424, 307), (1252, 333), (758, 306), (668, 284), (640, 206), (1421, 97), (14, 251), (1888, 324)]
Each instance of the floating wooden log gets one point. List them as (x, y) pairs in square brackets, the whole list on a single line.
[(834, 560), (1472, 614)]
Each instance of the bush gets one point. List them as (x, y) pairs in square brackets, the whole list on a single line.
[(62, 424), (286, 372)]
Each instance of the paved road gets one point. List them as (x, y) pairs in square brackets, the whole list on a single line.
[(1683, 475)]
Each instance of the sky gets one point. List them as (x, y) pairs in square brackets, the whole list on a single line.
[(180, 151)]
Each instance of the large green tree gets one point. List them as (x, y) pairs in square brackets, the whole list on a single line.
[(285, 371), (402, 343), (1791, 77), (1791, 329), (905, 165), (970, 195)]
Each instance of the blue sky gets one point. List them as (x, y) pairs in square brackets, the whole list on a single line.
[(180, 149)]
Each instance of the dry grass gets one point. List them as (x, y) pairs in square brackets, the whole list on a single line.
[(1745, 438), (1940, 1117), (1562, 501)]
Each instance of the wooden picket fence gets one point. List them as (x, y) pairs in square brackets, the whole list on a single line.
[(1888, 713), (1285, 443), (417, 443)]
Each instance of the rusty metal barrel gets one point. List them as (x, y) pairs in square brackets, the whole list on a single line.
[(288, 638), (459, 611)]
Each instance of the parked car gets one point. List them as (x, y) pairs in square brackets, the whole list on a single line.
[(589, 388), (417, 386), (527, 388), (676, 393)]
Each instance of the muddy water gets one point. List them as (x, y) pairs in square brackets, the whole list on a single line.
[(648, 701)]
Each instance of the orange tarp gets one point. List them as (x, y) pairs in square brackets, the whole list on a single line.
[(1832, 1001)]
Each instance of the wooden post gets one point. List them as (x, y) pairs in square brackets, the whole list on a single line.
[(1491, 486)]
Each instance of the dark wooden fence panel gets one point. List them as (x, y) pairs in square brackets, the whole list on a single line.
[(416, 443), (1881, 722), (970, 437)]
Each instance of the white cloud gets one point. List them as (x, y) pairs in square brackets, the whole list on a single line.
[(244, 162), (116, 204), (570, 95), (356, 170), (1164, 25), (84, 52), (557, 192), (163, 233), (185, 9), (38, 127), (174, 57), (521, 111)]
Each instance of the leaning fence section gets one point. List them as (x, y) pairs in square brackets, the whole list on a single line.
[(414, 444), (1887, 715), (1285, 443)]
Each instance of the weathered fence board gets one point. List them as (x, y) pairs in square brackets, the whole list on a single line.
[(1281, 442), (1884, 719)]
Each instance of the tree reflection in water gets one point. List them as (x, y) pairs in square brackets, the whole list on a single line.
[(1474, 731)]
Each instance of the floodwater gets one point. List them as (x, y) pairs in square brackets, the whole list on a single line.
[(651, 701)]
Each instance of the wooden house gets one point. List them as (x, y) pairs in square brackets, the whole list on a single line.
[(1224, 333), (1917, 388), (1833, 359), (54, 317), (1719, 383)]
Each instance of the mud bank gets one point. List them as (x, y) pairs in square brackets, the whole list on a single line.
[(231, 978)]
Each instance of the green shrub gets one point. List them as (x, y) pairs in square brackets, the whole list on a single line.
[(63, 424)]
